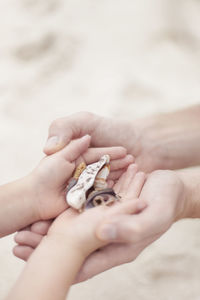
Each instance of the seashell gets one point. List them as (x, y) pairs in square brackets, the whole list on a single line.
[(103, 197), (76, 175), (76, 197), (79, 170), (100, 180)]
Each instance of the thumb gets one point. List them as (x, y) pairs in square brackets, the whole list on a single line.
[(63, 130), (117, 230), (123, 228), (76, 148), (59, 137)]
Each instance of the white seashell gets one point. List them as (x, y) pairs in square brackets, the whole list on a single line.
[(100, 180), (76, 197)]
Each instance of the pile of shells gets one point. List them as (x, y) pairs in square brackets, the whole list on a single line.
[(88, 187)]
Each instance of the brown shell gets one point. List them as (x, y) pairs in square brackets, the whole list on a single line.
[(81, 167), (77, 173), (102, 197)]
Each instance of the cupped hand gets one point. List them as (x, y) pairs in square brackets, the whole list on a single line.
[(106, 132), (128, 187), (49, 179), (164, 194)]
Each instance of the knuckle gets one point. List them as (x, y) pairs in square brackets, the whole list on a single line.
[(56, 123), (71, 119), (85, 115)]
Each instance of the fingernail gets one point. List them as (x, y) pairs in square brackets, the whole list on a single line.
[(132, 167), (108, 232), (86, 137), (51, 142), (130, 158)]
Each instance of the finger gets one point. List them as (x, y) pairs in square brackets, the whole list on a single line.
[(41, 227), (128, 228), (28, 238), (75, 148), (122, 185), (27, 228), (63, 130), (128, 178), (122, 163), (94, 154), (23, 252), (98, 262), (110, 183), (118, 185), (115, 175), (128, 207), (111, 256), (135, 186), (106, 258)]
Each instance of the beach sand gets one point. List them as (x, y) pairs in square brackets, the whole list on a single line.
[(126, 59)]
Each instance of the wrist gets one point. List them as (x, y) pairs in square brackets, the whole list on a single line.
[(78, 235), (30, 203), (67, 242), (153, 135), (17, 205), (191, 180), (171, 140)]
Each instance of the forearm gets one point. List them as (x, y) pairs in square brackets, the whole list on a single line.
[(171, 140), (191, 180), (17, 209), (50, 271)]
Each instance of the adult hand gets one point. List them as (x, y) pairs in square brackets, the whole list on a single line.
[(165, 141), (164, 194), (104, 132), (128, 187)]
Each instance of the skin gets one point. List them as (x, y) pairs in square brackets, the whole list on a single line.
[(170, 196), (165, 141), (166, 198), (69, 241), (41, 194)]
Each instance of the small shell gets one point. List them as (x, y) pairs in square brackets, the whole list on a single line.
[(76, 176), (76, 197), (100, 180), (103, 197), (79, 170)]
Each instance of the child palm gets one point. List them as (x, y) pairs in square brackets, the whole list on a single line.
[(51, 176), (128, 187)]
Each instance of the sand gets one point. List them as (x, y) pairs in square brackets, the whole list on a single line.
[(123, 58)]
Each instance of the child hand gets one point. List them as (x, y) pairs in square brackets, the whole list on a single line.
[(29, 238), (79, 230), (49, 179)]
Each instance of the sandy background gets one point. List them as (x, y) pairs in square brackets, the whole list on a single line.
[(122, 58)]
